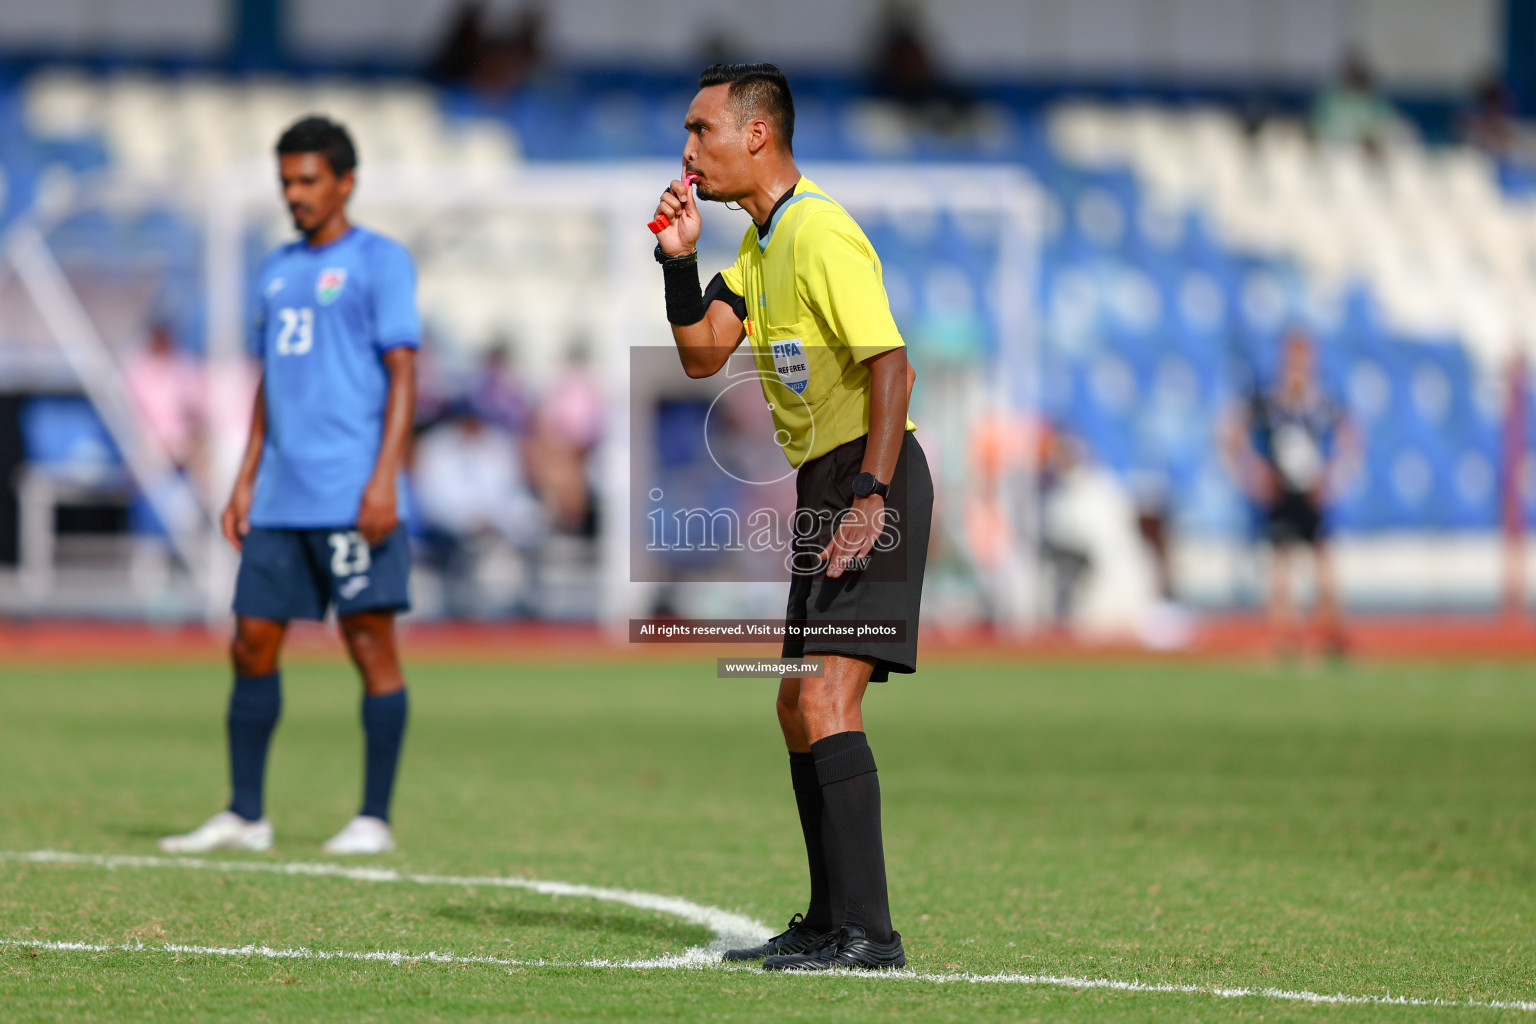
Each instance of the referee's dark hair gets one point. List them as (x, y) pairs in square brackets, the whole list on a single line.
[(757, 89), (316, 134)]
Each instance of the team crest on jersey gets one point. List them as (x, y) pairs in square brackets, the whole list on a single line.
[(329, 284), (791, 364)]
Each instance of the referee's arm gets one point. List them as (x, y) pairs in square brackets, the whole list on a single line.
[(891, 378), (706, 331), (890, 388), (837, 273), (843, 287), (705, 346)]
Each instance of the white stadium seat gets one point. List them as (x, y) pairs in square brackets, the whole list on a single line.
[(1446, 252)]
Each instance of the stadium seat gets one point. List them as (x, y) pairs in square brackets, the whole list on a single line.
[(1174, 237), (67, 437), (70, 460)]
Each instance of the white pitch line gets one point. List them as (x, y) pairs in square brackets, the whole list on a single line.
[(730, 929), (296, 953), (1278, 994), (386, 956), (396, 958)]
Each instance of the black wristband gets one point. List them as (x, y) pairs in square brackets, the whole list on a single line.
[(685, 299)]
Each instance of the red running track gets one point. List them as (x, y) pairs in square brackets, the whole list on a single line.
[(1445, 637)]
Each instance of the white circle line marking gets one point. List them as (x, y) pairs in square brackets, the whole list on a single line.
[(728, 928)]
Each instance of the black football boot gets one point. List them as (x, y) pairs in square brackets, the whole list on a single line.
[(797, 938), (849, 947)]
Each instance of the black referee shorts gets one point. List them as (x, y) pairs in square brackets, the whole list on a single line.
[(1294, 518), (889, 588)]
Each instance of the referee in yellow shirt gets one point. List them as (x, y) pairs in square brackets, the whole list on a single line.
[(806, 292)]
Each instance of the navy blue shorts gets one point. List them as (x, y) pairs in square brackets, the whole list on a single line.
[(298, 574)]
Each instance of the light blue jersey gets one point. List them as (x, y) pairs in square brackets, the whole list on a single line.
[(325, 316)]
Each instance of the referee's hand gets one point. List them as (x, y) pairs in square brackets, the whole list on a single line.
[(855, 536), (681, 236)]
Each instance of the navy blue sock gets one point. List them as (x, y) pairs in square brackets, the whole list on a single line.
[(254, 706), (383, 729)]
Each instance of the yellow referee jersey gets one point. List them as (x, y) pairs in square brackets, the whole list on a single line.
[(816, 308)]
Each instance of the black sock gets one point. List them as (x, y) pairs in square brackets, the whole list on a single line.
[(850, 793), (383, 729), (254, 706), (802, 774)]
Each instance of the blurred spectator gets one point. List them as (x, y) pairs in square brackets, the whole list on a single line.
[(460, 49), (1150, 488), (905, 70), (1352, 112), (1002, 453), (499, 394), (570, 423), (1166, 625), (170, 391), (717, 46), (1099, 574), (475, 505), (492, 62), (1291, 451), (1063, 549), (437, 390), (1490, 123), (469, 478), (1104, 582)]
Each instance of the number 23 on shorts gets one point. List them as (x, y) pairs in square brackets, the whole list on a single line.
[(349, 553)]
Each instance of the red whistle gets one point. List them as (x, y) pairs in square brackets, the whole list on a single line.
[(661, 223)]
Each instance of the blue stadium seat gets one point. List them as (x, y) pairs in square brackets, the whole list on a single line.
[(818, 133), (1209, 504), (66, 436), (1123, 297), (1199, 244), (1474, 494)]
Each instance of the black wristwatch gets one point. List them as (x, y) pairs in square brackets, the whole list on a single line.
[(865, 484)]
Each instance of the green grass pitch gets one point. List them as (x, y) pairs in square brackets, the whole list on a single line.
[(1367, 831)]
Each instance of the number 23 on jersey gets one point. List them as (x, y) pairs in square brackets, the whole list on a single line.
[(295, 330)]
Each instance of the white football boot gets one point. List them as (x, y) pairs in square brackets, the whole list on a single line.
[(363, 834), (224, 831)]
